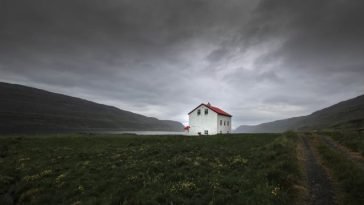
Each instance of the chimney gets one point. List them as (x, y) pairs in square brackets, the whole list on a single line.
[(208, 104)]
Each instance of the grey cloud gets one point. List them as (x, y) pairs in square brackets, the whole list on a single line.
[(162, 57), (293, 100), (217, 55), (317, 33), (269, 75)]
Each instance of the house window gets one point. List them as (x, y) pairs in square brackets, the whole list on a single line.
[(199, 112), (227, 123), (206, 132), (224, 123), (220, 122), (206, 111)]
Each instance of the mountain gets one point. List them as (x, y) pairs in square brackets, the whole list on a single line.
[(344, 115), (26, 109)]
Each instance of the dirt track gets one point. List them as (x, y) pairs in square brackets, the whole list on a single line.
[(319, 184), (355, 157)]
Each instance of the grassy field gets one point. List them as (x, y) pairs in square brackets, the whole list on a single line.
[(345, 167), (96, 169), (353, 140), (347, 174)]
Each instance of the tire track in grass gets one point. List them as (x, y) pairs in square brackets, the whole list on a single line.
[(355, 157), (320, 187), (349, 176)]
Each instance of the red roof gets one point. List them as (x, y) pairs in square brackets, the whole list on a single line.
[(215, 109)]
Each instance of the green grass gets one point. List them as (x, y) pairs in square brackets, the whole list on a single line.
[(231, 169), (353, 140), (349, 176)]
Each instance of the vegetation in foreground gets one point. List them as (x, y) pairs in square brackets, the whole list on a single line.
[(349, 176), (347, 173), (240, 169), (353, 140)]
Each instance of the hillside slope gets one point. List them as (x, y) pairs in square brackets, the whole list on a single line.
[(348, 114), (26, 109)]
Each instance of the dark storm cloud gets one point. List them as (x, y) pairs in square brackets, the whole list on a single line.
[(259, 60), (316, 34), (315, 48)]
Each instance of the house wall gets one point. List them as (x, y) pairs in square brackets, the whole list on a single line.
[(200, 123), (223, 128)]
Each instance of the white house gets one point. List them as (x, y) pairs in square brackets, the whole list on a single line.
[(206, 119)]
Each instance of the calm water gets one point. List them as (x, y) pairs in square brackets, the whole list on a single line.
[(144, 132)]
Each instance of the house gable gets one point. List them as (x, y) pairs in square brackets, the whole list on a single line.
[(202, 108), (214, 109)]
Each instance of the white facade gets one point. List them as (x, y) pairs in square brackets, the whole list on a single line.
[(203, 120), (223, 124)]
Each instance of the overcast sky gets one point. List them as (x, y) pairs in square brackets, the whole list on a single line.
[(257, 60)]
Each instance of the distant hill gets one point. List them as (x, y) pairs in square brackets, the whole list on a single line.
[(26, 109), (344, 115)]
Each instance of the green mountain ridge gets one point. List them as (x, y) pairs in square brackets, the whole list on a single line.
[(26, 109), (347, 114)]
